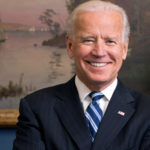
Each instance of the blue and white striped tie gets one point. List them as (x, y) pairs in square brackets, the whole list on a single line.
[(94, 113)]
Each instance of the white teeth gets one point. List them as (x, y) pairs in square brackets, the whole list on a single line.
[(98, 64)]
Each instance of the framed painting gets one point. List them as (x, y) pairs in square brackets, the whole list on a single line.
[(33, 52), (28, 60)]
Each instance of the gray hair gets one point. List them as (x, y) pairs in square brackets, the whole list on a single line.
[(97, 6)]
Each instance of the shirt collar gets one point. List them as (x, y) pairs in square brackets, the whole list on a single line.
[(84, 91), (108, 92)]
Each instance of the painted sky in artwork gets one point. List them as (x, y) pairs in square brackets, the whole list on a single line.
[(28, 11)]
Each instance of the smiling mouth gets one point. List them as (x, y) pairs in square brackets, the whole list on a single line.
[(95, 64)]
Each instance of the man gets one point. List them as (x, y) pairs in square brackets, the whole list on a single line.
[(59, 117)]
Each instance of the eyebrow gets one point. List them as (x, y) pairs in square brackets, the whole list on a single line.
[(84, 37), (87, 37), (111, 38)]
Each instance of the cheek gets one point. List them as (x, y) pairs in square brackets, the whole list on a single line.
[(80, 52), (117, 56)]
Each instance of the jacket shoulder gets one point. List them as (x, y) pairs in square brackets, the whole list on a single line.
[(140, 96), (142, 101), (49, 95)]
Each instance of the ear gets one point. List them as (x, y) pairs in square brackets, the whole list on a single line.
[(69, 46), (125, 49)]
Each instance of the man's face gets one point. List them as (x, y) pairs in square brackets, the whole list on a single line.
[(97, 48)]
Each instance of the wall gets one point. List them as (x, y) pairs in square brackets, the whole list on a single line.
[(7, 137)]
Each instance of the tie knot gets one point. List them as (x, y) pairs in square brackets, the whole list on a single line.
[(96, 95)]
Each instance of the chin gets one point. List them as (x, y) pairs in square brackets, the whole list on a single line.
[(97, 80), (100, 79)]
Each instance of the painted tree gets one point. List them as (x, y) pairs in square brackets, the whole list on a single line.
[(49, 19), (71, 4)]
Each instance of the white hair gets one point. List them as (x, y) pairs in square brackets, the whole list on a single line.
[(97, 6)]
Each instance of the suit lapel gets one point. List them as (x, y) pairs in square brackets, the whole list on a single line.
[(70, 112), (119, 111)]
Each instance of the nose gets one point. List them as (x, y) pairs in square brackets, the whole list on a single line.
[(99, 49)]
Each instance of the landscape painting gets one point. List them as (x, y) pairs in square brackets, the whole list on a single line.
[(28, 60), (33, 49)]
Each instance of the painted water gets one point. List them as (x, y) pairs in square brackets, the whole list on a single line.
[(26, 66)]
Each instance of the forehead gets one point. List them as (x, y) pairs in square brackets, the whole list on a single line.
[(104, 20)]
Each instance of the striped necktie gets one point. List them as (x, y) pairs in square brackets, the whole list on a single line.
[(94, 113)]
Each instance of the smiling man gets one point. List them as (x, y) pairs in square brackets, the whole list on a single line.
[(94, 110), (97, 47)]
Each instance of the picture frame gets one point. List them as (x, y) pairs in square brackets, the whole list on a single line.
[(8, 118)]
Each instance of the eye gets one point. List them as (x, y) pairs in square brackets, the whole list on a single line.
[(88, 40), (110, 42)]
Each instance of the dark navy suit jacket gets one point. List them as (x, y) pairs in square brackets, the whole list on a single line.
[(53, 119)]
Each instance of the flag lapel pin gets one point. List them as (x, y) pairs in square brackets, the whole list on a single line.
[(121, 113)]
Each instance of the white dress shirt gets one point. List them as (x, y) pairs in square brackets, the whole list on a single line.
[(84, 92)]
